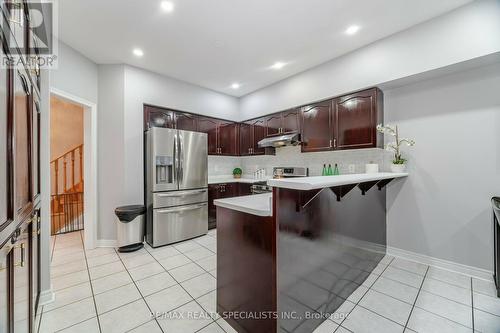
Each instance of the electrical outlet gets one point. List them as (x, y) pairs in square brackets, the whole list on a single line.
[(352, 168)]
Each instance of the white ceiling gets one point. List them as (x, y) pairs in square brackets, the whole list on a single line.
[(213, 43)]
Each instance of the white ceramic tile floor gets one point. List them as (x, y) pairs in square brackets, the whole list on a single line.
[(102, 290)]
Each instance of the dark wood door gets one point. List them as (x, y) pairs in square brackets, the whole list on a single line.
[(273, 124), (158, 117), (6, 156), (213, 193), (209, 126), (229, 190), (228, 139), (259, 133), (186, 121), (355, 120), (22, 146), (291, 121), (246, 139), (244, 189), (317, 127)]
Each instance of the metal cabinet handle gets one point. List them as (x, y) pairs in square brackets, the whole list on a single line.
[(330, 146), (334, 142), (184, 209), (170, 195)]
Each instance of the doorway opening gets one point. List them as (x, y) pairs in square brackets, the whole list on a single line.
[(66, 166)]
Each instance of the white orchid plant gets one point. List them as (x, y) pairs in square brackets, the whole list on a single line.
[(396, 145)]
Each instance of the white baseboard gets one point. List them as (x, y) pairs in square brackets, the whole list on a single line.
[(46, 297), (441, 263), (106, 243)]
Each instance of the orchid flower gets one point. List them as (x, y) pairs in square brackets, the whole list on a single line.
[(395, 146)]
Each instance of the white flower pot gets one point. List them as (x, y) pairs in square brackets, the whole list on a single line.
[(398, 168)]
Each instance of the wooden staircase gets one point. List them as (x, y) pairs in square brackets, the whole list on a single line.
[(66, 205)]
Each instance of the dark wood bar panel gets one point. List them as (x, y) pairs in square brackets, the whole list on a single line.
[(246, 270)]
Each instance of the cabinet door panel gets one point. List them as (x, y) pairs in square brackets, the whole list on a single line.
[(291, 121), (316, 127), (158, 117), (186, 121), (259, 133), (5, 151), (355, 120), (273, 124), (213, 193), (209, 126), (244, 189), (22, 143), (228, 139), (21, 282), (4, 288), (246, 139)]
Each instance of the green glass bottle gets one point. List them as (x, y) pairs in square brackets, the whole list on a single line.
[(329, 171), (324, 172), (336, 170)]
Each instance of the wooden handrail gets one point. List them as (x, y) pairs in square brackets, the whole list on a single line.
[(64, 158)]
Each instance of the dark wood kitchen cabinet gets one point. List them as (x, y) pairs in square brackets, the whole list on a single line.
[(186, 121), (282, 122), (317, 129), (355, 119), (158, 117), (251, 132), (222, 136), (219, 191)]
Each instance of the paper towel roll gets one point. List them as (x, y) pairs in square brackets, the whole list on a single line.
[(371, 168)]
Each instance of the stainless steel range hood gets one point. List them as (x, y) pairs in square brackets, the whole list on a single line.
[(291, 139)]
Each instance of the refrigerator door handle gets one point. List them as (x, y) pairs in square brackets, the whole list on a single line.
[(168, 195), (176, 162), (181, 157), (181, 209)]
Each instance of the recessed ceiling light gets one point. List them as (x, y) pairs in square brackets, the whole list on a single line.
[(167, 6), (138, 52), (352, 29), (235, 85), (278, 65)]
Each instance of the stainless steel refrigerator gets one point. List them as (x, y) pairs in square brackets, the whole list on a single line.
[(176, 185)]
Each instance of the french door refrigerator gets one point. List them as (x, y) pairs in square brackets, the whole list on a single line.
[(176, 185)]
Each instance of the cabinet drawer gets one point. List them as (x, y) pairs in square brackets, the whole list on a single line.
[(177, 198)]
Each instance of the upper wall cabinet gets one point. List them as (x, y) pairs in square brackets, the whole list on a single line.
[(186, 121), (209, 126), (317, 127), (355, 119), (251, 132), (227, 138), (282, 122), (158, 117)]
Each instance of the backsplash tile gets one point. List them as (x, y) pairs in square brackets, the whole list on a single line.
[(291, 156)]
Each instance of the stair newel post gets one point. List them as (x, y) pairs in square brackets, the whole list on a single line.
[(81, 164), (72, 169), (56, 170), (65, 173)]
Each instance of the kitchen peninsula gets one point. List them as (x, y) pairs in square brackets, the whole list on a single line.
[(289, 259)]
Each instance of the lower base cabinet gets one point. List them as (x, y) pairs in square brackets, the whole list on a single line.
[(220, 191), (19, 278)]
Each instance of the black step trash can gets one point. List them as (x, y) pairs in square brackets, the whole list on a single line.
[(130, 229)]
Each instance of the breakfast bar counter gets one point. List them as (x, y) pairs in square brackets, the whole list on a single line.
[(290, 267)]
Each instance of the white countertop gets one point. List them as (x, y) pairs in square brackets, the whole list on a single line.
[(311, 183), (257, 204), (231, 179)]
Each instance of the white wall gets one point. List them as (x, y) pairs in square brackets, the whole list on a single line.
[(443, 209), (466, 33), (76, 74), (111, 148)]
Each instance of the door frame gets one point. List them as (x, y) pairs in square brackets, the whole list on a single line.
[(90, 165)]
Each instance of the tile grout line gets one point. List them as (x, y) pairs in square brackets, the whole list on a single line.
[(91, 287), (140, 293), (416, 298), (194, 299), (472, 303), (369, 288)]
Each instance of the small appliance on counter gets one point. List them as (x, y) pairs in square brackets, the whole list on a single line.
[(176, 181)]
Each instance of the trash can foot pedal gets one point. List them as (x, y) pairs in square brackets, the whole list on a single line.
[(131, 248)]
